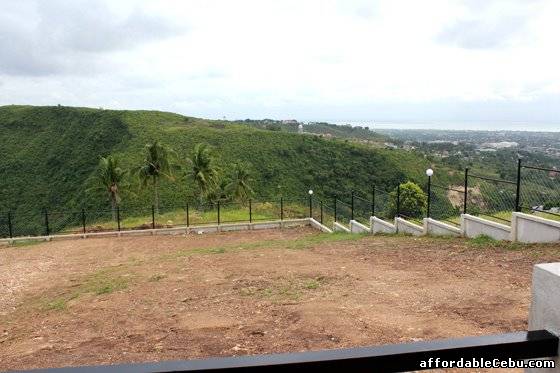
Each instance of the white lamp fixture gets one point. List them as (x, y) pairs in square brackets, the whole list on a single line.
[(310, 192), (429, 172)]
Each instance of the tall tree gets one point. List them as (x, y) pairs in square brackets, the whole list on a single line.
[(109, 178), (239, 187), (204, 170), (156, 164)]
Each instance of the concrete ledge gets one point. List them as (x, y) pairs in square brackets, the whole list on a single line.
[(545, 303), (529, 228), (438, 228), (473, 226), (169, 231), (381, 226), (406, 227), (317, 225), (357, 227), (337, 227)]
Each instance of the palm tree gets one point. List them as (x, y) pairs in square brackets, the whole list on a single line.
[(156, 164), (203, 170), (109, 177), (239, 187)]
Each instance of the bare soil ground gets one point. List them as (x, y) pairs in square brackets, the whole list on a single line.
[(134, 299)]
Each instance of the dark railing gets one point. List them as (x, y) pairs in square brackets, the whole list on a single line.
[(47, 222), (388, 358)]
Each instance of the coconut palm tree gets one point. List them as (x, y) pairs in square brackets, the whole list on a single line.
[(156, 164), (204, 170), (239, 186), (109, 178)]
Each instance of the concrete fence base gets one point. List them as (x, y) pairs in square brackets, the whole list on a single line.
[(406, 227), (473, 226), (290, 223), (357, 227), (437, 228), (337, 227), (530, 229), (545, 303), (381, 226), (317, 225)]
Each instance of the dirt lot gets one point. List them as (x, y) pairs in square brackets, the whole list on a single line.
[(108, 300)]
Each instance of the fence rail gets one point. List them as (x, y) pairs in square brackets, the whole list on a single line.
[(389, 358), (49, 222), (536, 190)]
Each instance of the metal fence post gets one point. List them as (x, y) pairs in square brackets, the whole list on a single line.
[(310, 205), (398, 200), (429, 196), (518, 190), (334, 208), (84, 220), (10, 224), (187, 215), (48, 231), (373, 201), (250, 211), (352, 206), (465, 192), (218, 212), (118, 218), (321, 211), (281, 208), (153, 217)]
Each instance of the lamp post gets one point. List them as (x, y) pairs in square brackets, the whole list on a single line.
[(429, 173), (310, 203)]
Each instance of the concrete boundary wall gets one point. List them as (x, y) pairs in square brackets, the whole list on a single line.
[(545, 303), (171, 231), (404, 226), (529, 228), (315, 224), (357, 227), (438, 228), (337, 227), (381, 226), (473, 226)]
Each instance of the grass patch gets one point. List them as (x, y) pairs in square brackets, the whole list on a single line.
[(25, 243), (102, 282), (57, 304), (485, 241), (297, 244)]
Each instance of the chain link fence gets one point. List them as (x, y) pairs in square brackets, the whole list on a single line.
[(540, 191)]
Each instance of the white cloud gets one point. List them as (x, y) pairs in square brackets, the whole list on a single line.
[(254, 58)]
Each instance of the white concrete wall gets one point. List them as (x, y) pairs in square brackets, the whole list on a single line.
[(545, 303), (357, 227), (407, 227), (337, 227), (530, 228), (473, 226), (438, 228), (170, 231), (317, 225), (381, 226)]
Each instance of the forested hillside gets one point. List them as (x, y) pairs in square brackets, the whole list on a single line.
[(49, 155)]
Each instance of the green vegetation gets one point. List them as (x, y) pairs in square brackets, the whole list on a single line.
[(413, 201), (52, 157), (156, 164), (110, 178), (102, 282)]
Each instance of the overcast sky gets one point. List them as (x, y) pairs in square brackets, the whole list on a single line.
[(420, 61)]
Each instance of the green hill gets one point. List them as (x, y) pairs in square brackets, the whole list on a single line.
[(50, 153)]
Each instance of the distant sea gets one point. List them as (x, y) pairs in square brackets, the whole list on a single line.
[(457, 126)]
